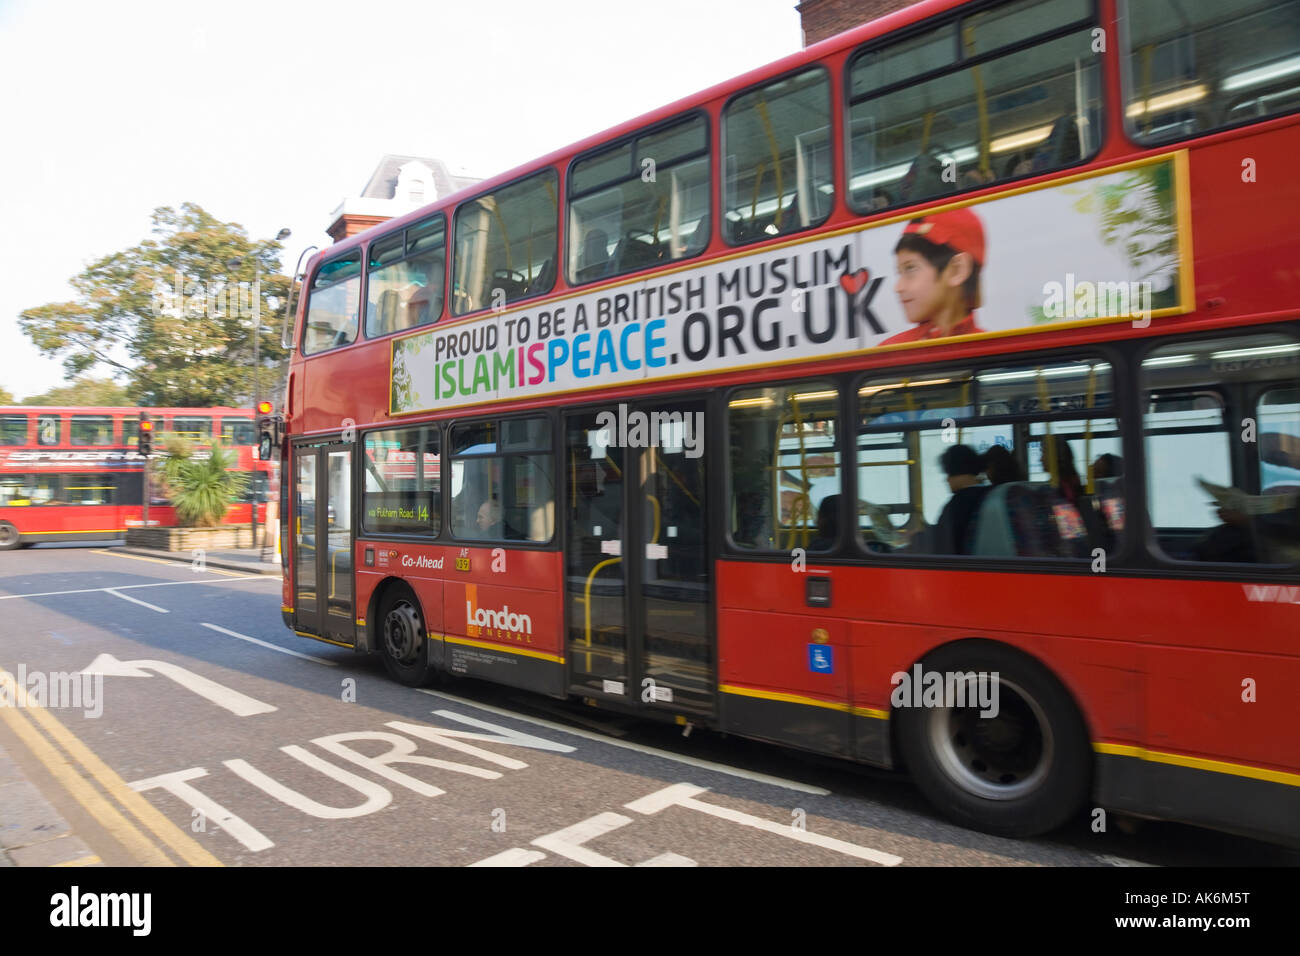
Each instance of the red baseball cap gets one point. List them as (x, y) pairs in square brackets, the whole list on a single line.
[(958, 229)]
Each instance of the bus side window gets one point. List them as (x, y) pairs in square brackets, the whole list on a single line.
[(333, 305), (973, 102)]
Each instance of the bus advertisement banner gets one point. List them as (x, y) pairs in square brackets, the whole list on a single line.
[(1106, 246)]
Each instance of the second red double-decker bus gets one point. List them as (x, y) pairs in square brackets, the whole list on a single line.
[(74, 473), (929, 398)]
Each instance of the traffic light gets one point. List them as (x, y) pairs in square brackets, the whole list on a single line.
[(145, 445)]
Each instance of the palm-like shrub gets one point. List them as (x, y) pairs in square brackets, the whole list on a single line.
[(201, 488)]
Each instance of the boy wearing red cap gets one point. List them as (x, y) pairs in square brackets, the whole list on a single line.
[(939, 261)]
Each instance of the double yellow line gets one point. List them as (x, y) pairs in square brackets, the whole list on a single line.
[(93, 784)]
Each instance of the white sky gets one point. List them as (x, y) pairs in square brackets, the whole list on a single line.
[(268, 114)]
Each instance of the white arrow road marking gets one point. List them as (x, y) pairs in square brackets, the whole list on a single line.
[(269, 645), (238, 704), (127, 597)]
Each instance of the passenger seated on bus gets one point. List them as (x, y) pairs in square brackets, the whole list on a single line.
[(828, 524), (1065, 474), (1268, 538), (1107, 466), (489, 520), (1061, 148), (924, 178), (1030, 519), (954, 532), (1001, 466)]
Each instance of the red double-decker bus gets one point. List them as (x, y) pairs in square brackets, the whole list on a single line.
[(928, 398), (74, 474)]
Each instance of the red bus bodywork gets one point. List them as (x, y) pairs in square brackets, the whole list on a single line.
[(1153, 660), (109, 456)]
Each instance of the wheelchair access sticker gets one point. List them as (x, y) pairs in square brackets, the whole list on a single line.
[(821, 660)]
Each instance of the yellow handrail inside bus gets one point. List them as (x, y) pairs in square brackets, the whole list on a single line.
[(758, 181), (776, 158), (981, 103), (658, 513), (586, 601)]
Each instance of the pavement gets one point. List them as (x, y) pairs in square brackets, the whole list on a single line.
[(248, 560), (32, 832)]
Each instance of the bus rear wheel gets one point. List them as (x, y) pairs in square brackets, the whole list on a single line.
[(1023, 770), (9, 536), (402, 637)]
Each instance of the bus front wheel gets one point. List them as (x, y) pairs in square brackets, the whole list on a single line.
[(1015, 760), (402, 637), (9, 536)]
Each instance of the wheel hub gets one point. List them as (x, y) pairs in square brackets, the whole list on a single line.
[(997, 758), (402, 633)]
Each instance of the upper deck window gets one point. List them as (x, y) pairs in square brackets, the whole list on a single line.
[(13, 429), (192, 426), (641, 202), (1195, 65), (91, 430), (332, 308), (406, 279), (778, 158), (999, 94), (506, 244), (49, 429)]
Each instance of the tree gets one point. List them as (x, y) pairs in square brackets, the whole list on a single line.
[(6, 396), (201, 488), (177, 308), (84, 390)]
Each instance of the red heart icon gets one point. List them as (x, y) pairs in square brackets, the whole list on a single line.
[(854, 282)]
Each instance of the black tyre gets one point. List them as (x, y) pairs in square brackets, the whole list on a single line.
[(402, 637), (1021, 773), (9, 536)]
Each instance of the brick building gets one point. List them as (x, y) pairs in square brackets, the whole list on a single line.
[(825, 18), (399, 184)]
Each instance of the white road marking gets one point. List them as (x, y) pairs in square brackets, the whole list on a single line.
[(568, 842), (1120, 861), (175, 784), (241, 705), (515, 856), (375, 796), (124, 587), (669, 859), (639, 748), (684, 794), (400, 750), (269, 646), (127, 597)]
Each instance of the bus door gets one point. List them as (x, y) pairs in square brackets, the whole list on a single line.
[(639, 590), (322, 541)]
